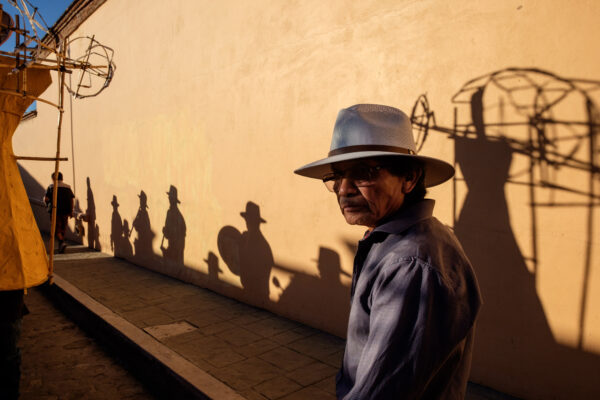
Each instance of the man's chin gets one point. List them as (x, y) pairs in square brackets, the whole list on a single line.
[(357, 218)]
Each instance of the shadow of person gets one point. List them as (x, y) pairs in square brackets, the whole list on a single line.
[(323, 297), (119, 233), (256, 258), (142, 244), (79, 218), (116, 228), (90, 217), (174, 232), (125, 245), (213, 267)]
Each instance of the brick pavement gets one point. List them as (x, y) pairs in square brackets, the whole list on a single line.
[(60, 361), (258, 354), (217, 342)]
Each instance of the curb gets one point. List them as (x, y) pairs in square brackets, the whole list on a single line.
[(164, 371)]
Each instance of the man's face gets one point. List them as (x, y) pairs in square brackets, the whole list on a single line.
[(367, 202)]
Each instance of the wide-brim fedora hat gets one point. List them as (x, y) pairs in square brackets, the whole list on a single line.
[(252, 212), (372, 130)]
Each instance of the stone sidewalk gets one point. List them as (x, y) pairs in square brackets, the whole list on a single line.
[(221, 347), (256, 353)]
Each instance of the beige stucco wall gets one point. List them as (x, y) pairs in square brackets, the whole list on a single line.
[(223, 100)]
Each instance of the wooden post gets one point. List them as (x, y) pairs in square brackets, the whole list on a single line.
[(61, 92)]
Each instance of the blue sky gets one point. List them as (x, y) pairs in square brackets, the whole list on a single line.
[(50, 10)]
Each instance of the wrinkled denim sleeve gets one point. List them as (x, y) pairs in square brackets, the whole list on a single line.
[(411, 309)]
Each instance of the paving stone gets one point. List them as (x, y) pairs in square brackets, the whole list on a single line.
[(310, 392), (211, 349), (312, 373), (251, 394), (306, 330), (201, 318), (249, 318), (271, 326), (277, 387), (287, 337), (190, 337), (176, 305), (124, 305), (319, 346), (149, 295), (286, 359), (148, 316), (223, 358), (327, 384), (239, 336), (238, 310), (178, 291), (247, 373), (214, 328), (256, 348), (335, 359), (161, 332)]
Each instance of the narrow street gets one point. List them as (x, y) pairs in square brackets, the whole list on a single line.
[(60, 361)]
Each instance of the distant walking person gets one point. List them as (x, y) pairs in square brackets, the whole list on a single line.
[(64, 208)]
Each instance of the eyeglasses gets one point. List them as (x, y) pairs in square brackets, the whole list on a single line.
[(361, 175)]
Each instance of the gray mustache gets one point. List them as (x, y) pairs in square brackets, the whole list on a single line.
[(344, 202)]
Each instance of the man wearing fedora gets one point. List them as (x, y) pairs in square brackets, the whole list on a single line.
[(414, 296)]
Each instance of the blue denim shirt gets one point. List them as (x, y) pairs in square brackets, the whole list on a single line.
[(414, 303)]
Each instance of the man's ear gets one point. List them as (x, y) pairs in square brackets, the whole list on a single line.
[(410, 181)]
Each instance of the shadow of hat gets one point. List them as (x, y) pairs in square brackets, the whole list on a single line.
[(143, 199), (329, 262), (173, 193), (252, 212), (372, 130)]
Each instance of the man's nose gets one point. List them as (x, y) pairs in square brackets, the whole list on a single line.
[(347, 187)]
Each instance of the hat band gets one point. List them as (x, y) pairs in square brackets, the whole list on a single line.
[(370, 147)]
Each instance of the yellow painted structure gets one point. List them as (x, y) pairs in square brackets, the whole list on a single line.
[(23, 260), (185, 164)]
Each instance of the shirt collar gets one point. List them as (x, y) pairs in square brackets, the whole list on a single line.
[(407, 217)]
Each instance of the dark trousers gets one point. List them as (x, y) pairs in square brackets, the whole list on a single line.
[(10, 359)]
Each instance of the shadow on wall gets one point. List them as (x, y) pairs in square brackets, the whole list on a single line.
[(141, 251), (521, 135), (246, 254), (93, 231)]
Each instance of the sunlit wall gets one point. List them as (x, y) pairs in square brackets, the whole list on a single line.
[(184, 163)]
